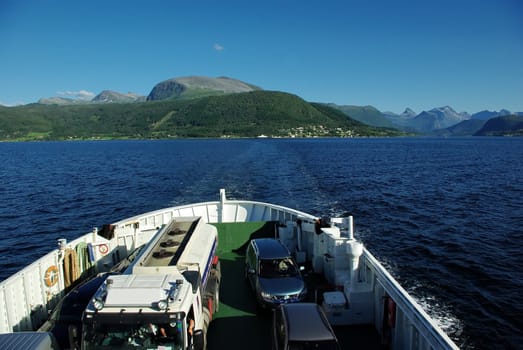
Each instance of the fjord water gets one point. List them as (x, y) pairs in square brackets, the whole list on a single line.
[(444, 215)]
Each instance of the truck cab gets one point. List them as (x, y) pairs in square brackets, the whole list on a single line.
[(166, 296)]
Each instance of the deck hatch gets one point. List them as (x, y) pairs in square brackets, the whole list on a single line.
[(170, 246)]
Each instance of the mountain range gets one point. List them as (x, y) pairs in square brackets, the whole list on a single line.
[(224, 115), (175, 88), (437, 121)]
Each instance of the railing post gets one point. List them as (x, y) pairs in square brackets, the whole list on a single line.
[(222, 204)]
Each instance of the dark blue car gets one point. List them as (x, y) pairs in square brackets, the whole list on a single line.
[(66, 317)]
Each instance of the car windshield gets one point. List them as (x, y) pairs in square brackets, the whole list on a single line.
[(270, 268), (313, 345), (125, 336), (69, 309)]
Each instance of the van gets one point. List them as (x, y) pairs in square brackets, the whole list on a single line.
[(272, 273)]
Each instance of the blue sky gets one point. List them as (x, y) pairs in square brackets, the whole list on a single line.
[(388, 54)]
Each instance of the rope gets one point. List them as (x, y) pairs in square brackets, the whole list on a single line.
[(71, 269)]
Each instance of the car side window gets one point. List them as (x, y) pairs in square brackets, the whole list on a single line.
[(251, 258)]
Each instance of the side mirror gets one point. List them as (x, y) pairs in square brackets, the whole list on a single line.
[(198, 339)]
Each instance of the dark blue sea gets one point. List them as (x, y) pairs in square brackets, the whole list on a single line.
[(444, 215)]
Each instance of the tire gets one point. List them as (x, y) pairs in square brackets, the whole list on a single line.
[(217, 291), (205, 327), (212, 291), (217, 299), (218, 269)]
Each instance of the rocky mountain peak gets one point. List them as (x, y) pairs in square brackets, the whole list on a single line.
[(197, 85), (108, 96), (408, 113)]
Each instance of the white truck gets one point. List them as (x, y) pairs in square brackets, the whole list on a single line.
[(165, 299)]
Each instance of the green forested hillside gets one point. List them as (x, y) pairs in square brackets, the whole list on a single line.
[(365, 114), (235, 115), (510, 125)]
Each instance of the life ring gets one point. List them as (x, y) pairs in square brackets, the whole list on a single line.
[(51, 276), (391, 313), (103, 249), (317, 226)]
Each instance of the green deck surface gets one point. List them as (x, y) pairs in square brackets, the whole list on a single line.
[(236, 325), (239, 324)]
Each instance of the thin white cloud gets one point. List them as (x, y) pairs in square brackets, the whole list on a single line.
[(80, 95), (218, 47), (11, 104)]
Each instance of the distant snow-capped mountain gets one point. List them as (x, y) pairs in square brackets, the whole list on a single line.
[(437, 118), (444, 120), (408, 113), (402, 120)]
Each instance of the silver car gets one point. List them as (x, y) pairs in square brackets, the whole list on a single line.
[(273, 273), (302, 326)]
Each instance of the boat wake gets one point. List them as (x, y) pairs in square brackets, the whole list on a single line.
[(440, 312)]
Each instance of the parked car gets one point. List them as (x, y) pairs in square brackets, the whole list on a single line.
[(28, 341), (273, 273), (302, 326), (65, 322)]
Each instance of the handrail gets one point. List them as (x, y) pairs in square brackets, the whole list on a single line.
[(424, 323)]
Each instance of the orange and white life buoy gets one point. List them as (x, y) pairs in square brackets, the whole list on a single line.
[(51, 276), (103, 249)]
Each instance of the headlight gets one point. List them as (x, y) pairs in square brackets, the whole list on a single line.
[(265, 295), (162, 304), (98, 304)]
